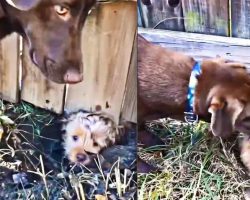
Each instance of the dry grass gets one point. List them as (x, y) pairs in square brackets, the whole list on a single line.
[(195, 165)]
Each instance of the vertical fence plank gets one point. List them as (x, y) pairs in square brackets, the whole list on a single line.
[(240, 18), (162, 14), (38, 90), (108, 38), (206, 16), (129, 109), (9, 62)]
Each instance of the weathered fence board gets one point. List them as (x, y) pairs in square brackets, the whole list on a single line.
[(9, 70), (38, 90), (240, 18), (107, 45), (109, 69), (129, 109), (201, 46), (206, 16), (162, 14)]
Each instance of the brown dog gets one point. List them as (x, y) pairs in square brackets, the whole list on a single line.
[(52, 29), (222, 92)]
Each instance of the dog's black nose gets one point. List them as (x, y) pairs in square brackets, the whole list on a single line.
[(81, 157)]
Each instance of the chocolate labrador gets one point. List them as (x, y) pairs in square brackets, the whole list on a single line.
[(170, 82), (52, 29)]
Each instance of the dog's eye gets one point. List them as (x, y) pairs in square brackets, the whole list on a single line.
[(75, 137), (95, 144), (62, 11)]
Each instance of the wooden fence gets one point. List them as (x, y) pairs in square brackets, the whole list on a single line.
[(213, 17), (109, 72), (201, 46)]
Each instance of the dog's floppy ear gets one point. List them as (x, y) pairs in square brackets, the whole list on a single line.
[(1, 12), (23, 4), (224, 112)]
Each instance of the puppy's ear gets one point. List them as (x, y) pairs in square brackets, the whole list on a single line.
[(224, 112), (23, 4)]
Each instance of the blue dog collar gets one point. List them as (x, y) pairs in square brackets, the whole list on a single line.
[(189, 115)]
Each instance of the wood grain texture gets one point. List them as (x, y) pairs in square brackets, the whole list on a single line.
[(9, 70), (129, 108), (206, 16), (38, 90), (107, 45), (240, 18), (201, 46), (161, 15)]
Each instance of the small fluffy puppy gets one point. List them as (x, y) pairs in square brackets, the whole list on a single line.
[(88, 133)]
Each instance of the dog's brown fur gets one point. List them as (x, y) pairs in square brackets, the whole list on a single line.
[(52, 30), (222, 92), (163, 77)]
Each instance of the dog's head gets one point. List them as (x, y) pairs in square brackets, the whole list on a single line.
[(52, 29), (87, 134), (223, 90)]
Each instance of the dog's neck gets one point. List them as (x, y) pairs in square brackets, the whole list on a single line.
[(189, 114)]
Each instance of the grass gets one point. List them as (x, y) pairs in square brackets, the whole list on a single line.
[(32, 165), (195, 165)]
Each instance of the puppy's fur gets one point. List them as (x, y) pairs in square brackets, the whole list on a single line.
[(222, 93), (88, 133)]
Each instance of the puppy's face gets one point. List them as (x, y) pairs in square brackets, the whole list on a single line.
[(87, 134), (79, 140)]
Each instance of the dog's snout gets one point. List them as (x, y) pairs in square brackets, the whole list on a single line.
[(73, 76), (81, 157), (63, 72)]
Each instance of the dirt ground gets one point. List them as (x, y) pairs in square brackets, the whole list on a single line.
[(33, 166)]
